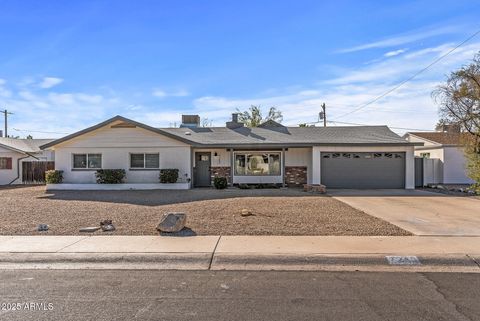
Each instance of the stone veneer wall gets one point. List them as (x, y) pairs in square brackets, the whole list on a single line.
[(295, 175), (224, 171)]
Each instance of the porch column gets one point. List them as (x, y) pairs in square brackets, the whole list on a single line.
[(316, 166), (192, 161), (283, 167), (232, 164)]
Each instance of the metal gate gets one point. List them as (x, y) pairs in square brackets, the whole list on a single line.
[(418, 172), (34, 172)]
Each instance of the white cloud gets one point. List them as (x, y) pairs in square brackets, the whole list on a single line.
[(4, 92), (410, 106), (398, 40), (160, 93), (49, 82), (59, 112), (394, 53)]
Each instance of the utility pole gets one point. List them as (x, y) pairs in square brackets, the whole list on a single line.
[(6, 113), (323, 115)]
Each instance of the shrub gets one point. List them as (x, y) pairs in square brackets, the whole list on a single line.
[(110, 176), (269, 185), (53, 177), (168, 175), (244, 186), (220, 182)]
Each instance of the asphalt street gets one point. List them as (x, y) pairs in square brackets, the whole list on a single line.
[(231, 295)]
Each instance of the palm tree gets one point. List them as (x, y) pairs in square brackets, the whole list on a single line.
[(253, 117)]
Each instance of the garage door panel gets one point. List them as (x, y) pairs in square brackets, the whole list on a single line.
[(363, 170)]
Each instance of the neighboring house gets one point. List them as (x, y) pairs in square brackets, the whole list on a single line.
[(445, 159), (339, 157), (14, 152)]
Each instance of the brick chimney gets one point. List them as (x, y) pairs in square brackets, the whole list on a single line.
[(234, 122)]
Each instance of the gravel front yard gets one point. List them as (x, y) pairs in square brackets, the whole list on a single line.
[(210, 212)]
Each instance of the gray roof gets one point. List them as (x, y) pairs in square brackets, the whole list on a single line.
[(289, 136), (264, 137), (23, 145)]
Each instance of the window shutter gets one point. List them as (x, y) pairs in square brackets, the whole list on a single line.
[(9, 163)]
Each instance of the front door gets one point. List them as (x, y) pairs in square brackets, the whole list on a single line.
[(202, 169)]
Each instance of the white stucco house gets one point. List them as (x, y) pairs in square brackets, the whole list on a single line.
[(338, 157), (14, 153), (444, 159)]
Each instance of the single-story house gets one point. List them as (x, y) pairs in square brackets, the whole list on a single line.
[(338, 157), (444, 157), (14, 153)]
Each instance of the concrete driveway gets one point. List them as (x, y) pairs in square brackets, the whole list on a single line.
[(420, 212)]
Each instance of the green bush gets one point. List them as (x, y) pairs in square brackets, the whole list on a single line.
[(220, 182), (110, 176), (269, 185), (168, 175), (53, 177)]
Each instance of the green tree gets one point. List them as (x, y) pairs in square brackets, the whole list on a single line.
[(253, 117), (459, 101)]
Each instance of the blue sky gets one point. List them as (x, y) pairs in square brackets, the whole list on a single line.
[(66, 65)]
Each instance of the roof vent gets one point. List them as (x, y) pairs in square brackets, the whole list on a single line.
[(190, 121), (234, 123)]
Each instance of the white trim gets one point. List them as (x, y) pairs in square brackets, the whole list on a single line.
[(116, 187)]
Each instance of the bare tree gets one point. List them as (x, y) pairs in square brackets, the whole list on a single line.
[(459, 99)]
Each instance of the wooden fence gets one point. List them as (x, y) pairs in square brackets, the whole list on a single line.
[(34, 172)]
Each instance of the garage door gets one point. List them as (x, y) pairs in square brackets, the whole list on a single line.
[(363, 170)]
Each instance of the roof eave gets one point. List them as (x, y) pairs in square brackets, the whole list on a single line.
[(299, 145), (14, 149)]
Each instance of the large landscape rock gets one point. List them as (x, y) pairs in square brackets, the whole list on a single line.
[(172, 222), (107, 226)]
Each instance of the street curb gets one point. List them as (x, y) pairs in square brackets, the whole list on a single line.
[(237, 261), (344, 262), (56, 260)]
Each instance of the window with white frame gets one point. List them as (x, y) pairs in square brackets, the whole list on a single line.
[(144, 161), (258, 164), (87, 161)]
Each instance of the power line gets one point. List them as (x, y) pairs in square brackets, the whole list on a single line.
[(37, 131), (410, 78), (347, 123)]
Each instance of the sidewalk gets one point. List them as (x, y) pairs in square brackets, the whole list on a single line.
[(415, 253)]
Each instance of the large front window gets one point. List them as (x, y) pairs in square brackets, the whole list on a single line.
[(85, 161), (257, 164)]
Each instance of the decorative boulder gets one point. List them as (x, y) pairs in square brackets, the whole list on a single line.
[(172, 222), (107, 226), (42, 227)]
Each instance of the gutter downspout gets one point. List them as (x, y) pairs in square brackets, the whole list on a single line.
[(18, 166)]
